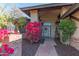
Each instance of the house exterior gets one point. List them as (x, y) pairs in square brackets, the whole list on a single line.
[(46, 12), (52, 13)]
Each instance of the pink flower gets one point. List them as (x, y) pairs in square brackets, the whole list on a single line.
[(33, 29), (5, 46), (11, 51), (0, 50), (37, 24), (6, 49), (0, 39), (4, 34)]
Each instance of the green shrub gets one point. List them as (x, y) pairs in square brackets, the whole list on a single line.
[(67, 26), (2, 25), (10, 19), (22, 22)]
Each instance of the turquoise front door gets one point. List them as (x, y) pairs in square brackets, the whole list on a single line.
[(46, 29)]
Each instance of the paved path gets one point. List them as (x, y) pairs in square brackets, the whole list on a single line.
[(18, 48), (47, 49)]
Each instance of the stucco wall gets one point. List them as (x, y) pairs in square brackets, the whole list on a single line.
[(74, 42), (76, 14), (75, 36), (64, 9), (76, 33), (34, 15)]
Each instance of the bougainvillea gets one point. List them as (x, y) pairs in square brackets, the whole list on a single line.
[(8, 50), (0, 49), (33, 29), (4, 40), (3, 34)]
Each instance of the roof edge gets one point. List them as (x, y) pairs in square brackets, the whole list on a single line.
[(45, 5)]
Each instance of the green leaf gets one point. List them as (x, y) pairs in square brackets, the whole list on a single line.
[(68, 27)]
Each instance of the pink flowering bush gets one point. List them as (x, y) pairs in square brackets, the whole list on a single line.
[(4, 39), (4, 34), (33, 31), (8, 50)]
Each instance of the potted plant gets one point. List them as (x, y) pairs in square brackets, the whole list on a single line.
[(66, 28)]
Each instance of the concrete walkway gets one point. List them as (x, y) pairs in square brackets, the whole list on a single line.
[(47, 49), (17, 45), (50, 47), (16, 42)]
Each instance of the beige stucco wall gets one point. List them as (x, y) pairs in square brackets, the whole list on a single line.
[(64, 9), (76, 33), (75, 36), (74, 42), (76, 14), (34, 15)]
